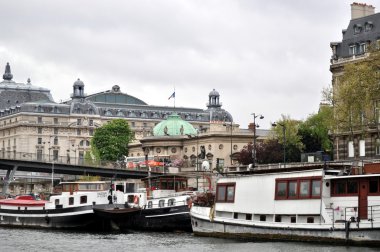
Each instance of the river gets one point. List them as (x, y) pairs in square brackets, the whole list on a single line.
[(30, 240)]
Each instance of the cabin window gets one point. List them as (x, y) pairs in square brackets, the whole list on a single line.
[(344, 187), (236, 216), (56, 202), (225, 192), (298, 188), (150, 204), (248, 216), (71, 201), (281, 189), (374, 186), (130, 199), (83, 199), (161, 203), (304, 189), (293, 219), (171, 202), (310, 220), (277, 218), (263, 218), (316, 188)]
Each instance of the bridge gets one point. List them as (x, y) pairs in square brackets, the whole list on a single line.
[(30, 162)]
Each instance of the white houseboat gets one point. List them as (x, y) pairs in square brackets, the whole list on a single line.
[(73, 208), (316, 202)]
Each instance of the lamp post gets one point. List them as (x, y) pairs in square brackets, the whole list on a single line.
[(254, 137), (225, 124), (52, 176), (197, 159), (283, 132), (146, 152)]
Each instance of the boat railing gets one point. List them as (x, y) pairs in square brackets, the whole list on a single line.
[(165, 203), (352, 214)]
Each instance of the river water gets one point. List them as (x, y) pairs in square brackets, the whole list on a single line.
[(30, 240)]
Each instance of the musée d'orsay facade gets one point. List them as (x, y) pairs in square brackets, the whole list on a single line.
[(32, 123)]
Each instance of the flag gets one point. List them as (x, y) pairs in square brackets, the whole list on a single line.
[(172, 96)]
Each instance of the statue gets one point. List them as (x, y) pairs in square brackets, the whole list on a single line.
[(7, 75), (166, 130), (203, 152), (181, 130)]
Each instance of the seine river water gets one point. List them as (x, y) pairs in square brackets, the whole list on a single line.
[(26, 240)]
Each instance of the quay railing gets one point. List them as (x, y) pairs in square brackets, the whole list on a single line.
[(76, 161)]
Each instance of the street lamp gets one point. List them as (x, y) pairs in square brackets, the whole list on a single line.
[(283, 132), (146, 152), (52, 176), (254, 137), (225, 124)]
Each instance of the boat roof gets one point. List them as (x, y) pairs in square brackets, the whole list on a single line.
[(352, 176), (22, 202)]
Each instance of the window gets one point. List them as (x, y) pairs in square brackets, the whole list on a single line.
[(171, 202), (91, 132), (374, 185), (39, 119), (344, 187), (225, 192), (263, 218), (55, 140), (277, 218), (248, 216), (83, 199), (361, 48), (55, 120), (310, 220), (55, 131), (91, 122), (377, 146), (352, 50), (71, 201), (79, 121), (298, 188), (362, 148), (281, 189), (316, 188), (56, 202), (293, 219), (39, 140), (357, 28), (305, 188), (351, 149), (161, 203), (368, 26), (150, 204), (55, 155), (78, 132), (39, 129)]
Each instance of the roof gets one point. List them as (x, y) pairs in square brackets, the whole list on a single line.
[(174, 126)]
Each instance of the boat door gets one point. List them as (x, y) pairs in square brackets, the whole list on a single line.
[(363, 198)]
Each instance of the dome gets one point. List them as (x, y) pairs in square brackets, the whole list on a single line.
[(214, 93), (174, 126), (79, 83)]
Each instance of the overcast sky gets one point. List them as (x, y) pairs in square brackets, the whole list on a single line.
[(267, 57)]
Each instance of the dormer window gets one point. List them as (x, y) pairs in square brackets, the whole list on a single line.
[(368, 26), (357, 28)]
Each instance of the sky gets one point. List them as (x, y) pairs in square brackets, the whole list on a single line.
[(267, 57)]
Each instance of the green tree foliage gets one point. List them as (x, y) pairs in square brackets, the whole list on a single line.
[(111, 141), (314, 131), (294, 145), (357, 93)]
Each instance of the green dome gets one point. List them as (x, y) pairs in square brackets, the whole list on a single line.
[(174, 126)]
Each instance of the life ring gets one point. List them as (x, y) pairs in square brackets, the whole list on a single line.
[(136, 199)]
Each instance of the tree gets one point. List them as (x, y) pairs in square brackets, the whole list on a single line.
[(293, 145), (269, 151), (314, 131), (111, 140), (245, 155), (356, 95)]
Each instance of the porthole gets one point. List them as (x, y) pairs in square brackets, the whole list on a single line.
[(158, 150), (235, 147), (185, 149), (174, 150), (220, 146)]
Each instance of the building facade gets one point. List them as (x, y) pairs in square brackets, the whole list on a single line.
[(363, 30), (31, 123)]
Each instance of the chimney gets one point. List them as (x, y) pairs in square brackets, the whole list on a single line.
[(359, 10)]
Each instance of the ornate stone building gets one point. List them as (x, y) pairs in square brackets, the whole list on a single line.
[(31, 123), (363, 30)]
